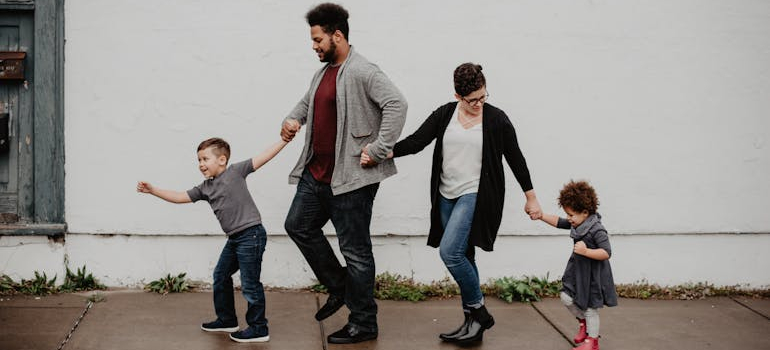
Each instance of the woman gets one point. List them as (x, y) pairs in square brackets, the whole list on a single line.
[(468, 186)]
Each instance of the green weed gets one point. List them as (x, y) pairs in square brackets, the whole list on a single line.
[(527, 289), (7, 285), (397, 287), (169, 284), (80, 281), (40, 285)]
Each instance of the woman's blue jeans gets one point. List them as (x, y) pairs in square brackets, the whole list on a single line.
[(456, 218), (243, 251)]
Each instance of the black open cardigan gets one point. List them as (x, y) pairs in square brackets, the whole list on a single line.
[(499, 139)]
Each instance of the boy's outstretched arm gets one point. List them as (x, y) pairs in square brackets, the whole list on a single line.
[(167, 195), (260, 160)]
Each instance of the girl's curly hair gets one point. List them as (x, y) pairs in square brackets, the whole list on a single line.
[(579, 196)]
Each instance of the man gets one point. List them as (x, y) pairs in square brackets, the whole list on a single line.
[(350, 108)]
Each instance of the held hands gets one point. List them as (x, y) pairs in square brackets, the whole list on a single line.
[(143, 187), (532, 208), (580, 248), (366, 160), (289, 129)]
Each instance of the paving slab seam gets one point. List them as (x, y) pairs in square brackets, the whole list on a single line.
[(41, 307), (552, 324), (77, 323), (752, 310), (321, 324)]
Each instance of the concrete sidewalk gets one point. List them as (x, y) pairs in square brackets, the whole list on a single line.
[(138, 320)]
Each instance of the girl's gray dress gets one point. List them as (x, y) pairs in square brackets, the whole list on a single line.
[(589, 282)]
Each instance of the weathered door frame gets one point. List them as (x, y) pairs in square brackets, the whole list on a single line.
[(48, 136)]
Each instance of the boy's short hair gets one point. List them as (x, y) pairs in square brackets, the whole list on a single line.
[(468, 78), (218, 146), (331, 17), (579, 196)]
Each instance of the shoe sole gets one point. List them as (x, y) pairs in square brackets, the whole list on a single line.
[(321, 317), (251, 340), (225, 330), (331, 340)]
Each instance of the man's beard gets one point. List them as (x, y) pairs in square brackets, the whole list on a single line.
[(331, 54)]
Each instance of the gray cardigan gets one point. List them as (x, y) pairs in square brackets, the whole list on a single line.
[(370, 109)]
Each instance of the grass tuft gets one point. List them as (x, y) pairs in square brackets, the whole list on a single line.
[(169, 284)]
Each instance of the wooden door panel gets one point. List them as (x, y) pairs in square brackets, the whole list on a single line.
[(16, 34)]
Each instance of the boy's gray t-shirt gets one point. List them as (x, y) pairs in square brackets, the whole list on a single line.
[(229, 197)]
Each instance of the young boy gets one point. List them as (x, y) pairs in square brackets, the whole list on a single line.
[(226, 191), (587, 283)]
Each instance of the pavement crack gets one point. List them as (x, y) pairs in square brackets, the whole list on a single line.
[(552, 324), (750, 309), (41, 307), (77, 323), (321, 324)]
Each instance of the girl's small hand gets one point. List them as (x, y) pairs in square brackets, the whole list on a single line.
[(580, 248)]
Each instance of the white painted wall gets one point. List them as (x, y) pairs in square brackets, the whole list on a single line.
[(134, 260), (662, 105)]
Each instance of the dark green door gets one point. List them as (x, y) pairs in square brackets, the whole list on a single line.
[(16, 113)]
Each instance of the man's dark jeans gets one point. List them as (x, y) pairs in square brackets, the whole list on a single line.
[(350, 213), (243, 251)]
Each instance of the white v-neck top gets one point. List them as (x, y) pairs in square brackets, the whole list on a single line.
[(461, 165)]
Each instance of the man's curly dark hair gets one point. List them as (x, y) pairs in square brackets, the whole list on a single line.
[(579, 196), (331, 17), (468, 78)]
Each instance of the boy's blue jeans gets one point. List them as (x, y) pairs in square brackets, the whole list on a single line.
[(457, 217), (351, 213), (243, 251)]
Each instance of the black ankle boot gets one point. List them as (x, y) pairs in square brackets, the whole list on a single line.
[(480, 321), (460, 331)]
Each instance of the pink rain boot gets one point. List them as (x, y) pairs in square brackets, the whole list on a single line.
[(581, 334), (588, 344)]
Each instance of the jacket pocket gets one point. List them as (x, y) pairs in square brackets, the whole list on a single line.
[(360, 139)]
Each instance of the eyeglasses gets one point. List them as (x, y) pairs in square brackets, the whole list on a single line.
[(475, 101)]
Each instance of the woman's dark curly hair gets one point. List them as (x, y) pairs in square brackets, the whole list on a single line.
[(331, 17), (468, 78), (579, 196)]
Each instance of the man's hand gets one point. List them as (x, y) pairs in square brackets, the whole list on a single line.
[(366, 160), (289, 129), (143, 187)]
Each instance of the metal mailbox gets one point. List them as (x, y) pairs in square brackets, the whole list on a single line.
[(12, 65)]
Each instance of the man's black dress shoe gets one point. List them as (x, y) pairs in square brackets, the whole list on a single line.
[(349, 335), (333, 303)]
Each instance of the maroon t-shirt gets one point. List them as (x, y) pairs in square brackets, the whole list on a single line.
[(324, 127)]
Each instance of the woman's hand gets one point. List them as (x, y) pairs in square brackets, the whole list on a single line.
[(532, 208), (366, 160)]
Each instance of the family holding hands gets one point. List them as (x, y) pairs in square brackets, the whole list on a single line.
[(355, 115)]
